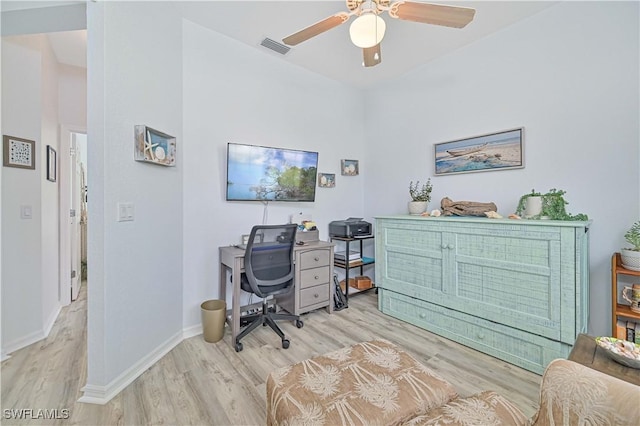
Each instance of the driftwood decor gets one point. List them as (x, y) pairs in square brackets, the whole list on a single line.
[(466, 208)]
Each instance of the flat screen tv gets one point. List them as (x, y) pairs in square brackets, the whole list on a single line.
[(260, 173)]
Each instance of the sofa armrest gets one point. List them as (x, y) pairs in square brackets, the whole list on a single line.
[(574, 394)]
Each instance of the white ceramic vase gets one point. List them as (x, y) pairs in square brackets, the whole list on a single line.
[(418, 207), (532, 206), (630, 259)]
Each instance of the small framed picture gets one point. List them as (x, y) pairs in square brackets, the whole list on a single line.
[(52, 165), (349, 167), (154, 146), (18, 152), (326, 180)]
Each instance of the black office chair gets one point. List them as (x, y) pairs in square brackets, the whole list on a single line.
[(268, 265)]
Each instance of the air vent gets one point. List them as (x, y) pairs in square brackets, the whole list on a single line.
[(275, 46)]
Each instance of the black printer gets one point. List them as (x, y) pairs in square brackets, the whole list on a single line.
[(352, 227)]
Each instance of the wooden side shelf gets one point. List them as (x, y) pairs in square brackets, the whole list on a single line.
[(619, 309)]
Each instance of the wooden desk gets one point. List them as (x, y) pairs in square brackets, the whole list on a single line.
[(232, 258), (587, 352)]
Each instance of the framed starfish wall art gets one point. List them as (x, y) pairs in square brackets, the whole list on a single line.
[(154, 146)]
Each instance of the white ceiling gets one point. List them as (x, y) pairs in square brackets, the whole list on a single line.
[(406, 45)]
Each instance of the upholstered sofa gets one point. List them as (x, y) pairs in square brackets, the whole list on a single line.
[(377, 383)]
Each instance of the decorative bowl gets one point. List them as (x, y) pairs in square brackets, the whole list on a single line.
[(621, 351)]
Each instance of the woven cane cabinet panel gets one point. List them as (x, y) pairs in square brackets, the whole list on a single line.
[(516, 290)]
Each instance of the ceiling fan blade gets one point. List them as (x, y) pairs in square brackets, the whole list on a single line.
[(372, 56), (317, 28), (436, 14)]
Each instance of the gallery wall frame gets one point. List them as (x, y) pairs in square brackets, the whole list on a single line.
[(52, 164), (154, 146), (503, 150), (349, 167), (18, 152), (326, 180)]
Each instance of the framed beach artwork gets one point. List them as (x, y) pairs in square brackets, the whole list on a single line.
[(154, 146), (326, 180), (494, 151), (349, 167)]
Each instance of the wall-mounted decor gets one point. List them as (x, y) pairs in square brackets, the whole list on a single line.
[(18, 152), (349, 167), (154, 146), (52, 165), (493, 151), (326, 180)]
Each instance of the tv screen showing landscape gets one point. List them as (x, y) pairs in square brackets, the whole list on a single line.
[(260, 173)]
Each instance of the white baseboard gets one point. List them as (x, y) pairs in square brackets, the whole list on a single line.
[(48, 325), (31, 338), (194, 330), (23, 342), (94, 394)]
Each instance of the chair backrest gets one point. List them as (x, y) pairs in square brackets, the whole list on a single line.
[(268, 259)]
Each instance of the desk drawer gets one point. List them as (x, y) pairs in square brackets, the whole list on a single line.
[(314, 258), (315, 276), (314, 295)]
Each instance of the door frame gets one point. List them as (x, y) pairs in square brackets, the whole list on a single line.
[(64, 287)]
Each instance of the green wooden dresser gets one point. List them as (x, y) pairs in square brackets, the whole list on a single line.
[(514, 289)]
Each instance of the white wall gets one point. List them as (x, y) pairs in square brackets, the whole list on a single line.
[(30, 109), (73, 95), (22, 320), (135, 290), (569, 75), (49, 190), (233, 93)]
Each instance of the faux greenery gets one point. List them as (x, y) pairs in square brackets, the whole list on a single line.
[(633, 236), (420, 192), (553, 206)]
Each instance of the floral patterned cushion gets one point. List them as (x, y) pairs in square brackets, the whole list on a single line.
[(370, 383), (572, 394), (486, 408)]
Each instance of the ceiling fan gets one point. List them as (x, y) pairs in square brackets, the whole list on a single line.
[(367, 30)]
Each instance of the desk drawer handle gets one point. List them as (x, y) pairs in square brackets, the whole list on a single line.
[(481, 336), (423, 315), (317, 259), (316, 295), (316, 277)]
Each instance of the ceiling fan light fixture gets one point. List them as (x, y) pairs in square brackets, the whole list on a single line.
[(367, 30)]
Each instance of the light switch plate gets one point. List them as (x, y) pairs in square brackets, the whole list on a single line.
[(26, 212), (125, 212)]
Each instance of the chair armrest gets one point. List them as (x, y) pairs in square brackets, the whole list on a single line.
[(571, 393)]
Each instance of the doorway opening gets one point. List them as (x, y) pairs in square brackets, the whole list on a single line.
[(73, 213)]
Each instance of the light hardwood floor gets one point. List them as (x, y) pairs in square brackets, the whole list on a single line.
[(201, 383)]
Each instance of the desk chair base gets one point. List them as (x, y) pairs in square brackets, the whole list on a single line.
[(265, 318)]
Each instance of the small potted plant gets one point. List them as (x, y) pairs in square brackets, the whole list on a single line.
[(631, 256), (530, 205), (546, 206), (420, 197)]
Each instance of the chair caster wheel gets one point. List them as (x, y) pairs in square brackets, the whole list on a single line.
[(285, 344), (299, 323), (238, 347)]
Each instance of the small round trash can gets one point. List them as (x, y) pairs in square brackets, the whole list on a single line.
[(213, 319)]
